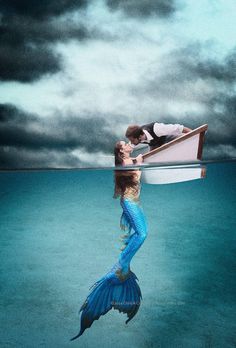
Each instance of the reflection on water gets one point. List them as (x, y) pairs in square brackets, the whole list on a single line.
[(60, 232)]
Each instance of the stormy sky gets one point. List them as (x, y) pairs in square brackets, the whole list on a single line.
[(75, 74)]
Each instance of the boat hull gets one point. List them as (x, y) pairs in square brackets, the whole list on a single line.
[(170, 175)]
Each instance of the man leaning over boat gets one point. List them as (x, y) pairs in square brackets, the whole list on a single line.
[(155, 134)]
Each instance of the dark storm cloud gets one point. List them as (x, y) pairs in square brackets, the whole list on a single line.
[(191, 64), (26, 64), (144, 8), (29, 131), (27, 31), (221, 103), (25, 138), (40, 9), (18, 158)]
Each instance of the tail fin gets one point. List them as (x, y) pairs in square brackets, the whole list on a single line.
[(110, 292)]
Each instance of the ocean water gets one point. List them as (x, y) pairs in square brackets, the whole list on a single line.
[(60, 233)]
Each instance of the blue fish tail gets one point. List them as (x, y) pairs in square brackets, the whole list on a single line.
[(114, 290), (118, 288)]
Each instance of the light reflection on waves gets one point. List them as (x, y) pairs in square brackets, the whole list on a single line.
[(163, 165)]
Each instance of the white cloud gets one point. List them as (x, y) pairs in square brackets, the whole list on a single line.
[(220, 151), (93, 160)]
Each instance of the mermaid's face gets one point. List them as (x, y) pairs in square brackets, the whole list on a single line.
[(126, 147)]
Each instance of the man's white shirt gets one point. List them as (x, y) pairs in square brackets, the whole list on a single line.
[(161, 129)]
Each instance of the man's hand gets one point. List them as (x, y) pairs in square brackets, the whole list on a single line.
[(186, 130)]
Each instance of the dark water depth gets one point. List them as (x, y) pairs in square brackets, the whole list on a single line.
[(59, 233)]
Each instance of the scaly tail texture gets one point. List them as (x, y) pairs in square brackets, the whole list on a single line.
[(118, 288)]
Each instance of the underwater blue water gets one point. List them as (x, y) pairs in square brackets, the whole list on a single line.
[(60, 232)]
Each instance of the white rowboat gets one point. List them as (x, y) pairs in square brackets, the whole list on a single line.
[(186, 148)]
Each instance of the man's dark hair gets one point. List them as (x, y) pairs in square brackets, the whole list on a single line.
[(134, 131)]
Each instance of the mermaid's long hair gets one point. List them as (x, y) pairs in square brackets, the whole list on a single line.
[(119, 156), (123, 179)]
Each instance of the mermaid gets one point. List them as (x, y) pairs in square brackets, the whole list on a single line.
[(118, 288)]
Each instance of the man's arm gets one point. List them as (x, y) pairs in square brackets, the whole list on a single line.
[(168, 129), (176, 130)]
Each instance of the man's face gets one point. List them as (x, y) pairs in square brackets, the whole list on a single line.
[(134, 141)]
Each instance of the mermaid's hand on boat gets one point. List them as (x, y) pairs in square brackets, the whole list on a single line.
[(139, 159)]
